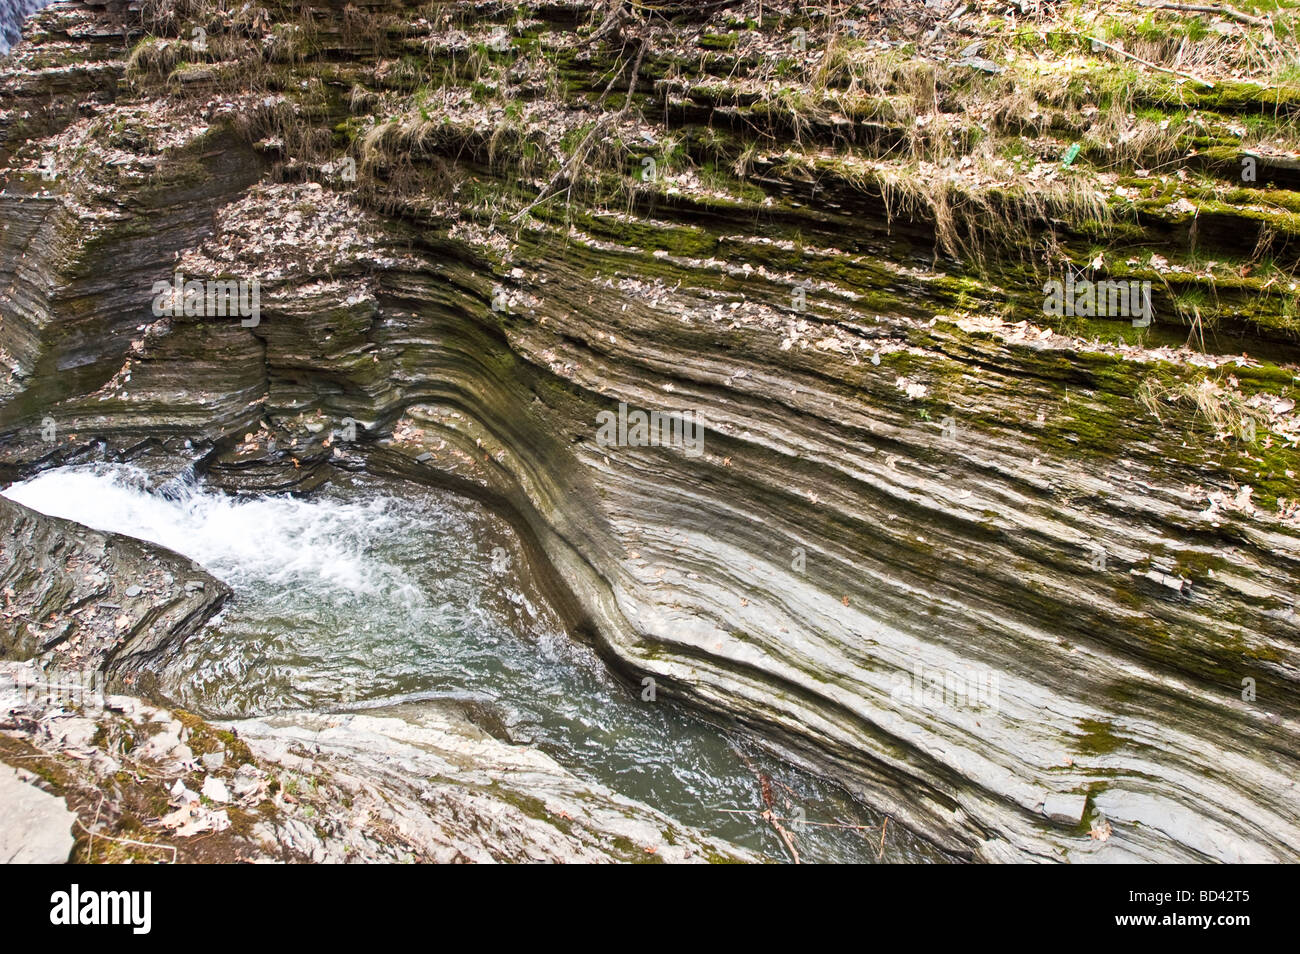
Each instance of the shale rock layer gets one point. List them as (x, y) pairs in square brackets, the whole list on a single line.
[(1026, 586)]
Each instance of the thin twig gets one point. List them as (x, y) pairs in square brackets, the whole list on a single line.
[(90, 845), (1228, 12), (784, 835), (768, 815), (580, 153), (1148, 63), (800, 821), (129, 841)]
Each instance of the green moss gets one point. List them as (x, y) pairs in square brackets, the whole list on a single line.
[(1097, 738), (686, 241), (205, 739), (631, 852), (719, 41), (533, 807)]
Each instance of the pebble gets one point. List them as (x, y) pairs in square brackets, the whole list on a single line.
[(213, 760), (215, 789)]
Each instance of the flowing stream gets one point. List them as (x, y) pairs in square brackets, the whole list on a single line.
[(373, 593)]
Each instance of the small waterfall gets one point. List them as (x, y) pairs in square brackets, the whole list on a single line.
[(245, 542)]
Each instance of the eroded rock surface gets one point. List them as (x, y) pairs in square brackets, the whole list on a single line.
[(95, 602), (454, 793), (11, 20), (36, 827), (1028, 586), (419, 784)]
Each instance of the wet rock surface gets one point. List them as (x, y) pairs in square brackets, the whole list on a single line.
[(453, 793), (149, 784), (11, 20), (1004, 581), (92, 602)]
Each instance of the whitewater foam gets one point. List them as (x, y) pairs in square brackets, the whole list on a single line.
[(272, 539)]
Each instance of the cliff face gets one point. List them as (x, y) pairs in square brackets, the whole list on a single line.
[(1025, 581), (12, 15)]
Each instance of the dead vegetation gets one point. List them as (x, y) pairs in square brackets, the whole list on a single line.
[(1214, 402), (1003, 130)]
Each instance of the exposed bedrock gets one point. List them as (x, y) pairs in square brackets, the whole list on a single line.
[(825, 544), (417, 782), (87, 601), (956, 564)]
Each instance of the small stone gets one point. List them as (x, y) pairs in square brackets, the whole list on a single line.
[(133, 591), (182, 795), (1066, 809), (246, 781), (980, 63), (215, 789), (213, 760)]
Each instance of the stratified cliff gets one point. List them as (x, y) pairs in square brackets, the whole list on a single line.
[(12, 15), (828, 235)]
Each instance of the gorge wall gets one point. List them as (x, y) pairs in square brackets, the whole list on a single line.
[(1025, 584)]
